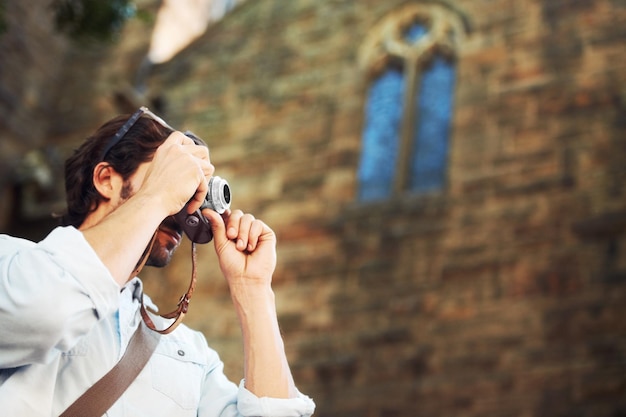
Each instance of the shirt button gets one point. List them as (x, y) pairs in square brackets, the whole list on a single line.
[(181, 352)]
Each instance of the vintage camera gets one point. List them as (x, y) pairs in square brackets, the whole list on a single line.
[(195, 225)]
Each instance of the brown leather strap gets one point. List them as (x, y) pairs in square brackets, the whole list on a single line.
[(144, 257), (183, 303), (102, 395)]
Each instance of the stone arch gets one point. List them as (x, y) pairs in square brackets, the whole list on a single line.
[(443, 30)]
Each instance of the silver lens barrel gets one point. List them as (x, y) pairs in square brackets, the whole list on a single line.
[(218, 198)]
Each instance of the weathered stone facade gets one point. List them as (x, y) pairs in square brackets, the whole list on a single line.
[(503, 295)]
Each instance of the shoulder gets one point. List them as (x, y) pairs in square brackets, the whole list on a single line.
[(56, 236), (11, 242)]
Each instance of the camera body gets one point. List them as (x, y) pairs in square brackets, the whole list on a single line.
[(195, 225)]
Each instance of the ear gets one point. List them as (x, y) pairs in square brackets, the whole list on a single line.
[(107, 180)]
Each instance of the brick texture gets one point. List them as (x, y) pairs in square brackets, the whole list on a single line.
[(504, 295)]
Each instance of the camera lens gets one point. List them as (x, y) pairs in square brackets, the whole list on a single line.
[(226, 193), (218, 197)]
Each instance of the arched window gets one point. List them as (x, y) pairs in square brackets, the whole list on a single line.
[(409, 58)]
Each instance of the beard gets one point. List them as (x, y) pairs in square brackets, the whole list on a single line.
[(169, 235), (159, 256)]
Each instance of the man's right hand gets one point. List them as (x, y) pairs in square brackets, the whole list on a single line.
[(179, 172)]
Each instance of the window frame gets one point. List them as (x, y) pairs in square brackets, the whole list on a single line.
[(386, 46)]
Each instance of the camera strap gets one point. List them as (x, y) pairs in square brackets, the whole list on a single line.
[(183, 303), (102, 395)]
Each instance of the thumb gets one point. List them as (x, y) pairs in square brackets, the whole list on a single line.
[(218, 227)]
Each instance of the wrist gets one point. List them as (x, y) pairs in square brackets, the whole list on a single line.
[(151, 203), (251, 292), (253, 301)]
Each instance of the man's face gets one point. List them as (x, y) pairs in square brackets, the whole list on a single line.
[(169, 235)]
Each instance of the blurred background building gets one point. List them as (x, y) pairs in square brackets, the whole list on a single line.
[(447, 180)]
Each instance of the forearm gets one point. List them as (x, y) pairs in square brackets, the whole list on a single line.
[(246, 248), (121, 237), (267, 372)]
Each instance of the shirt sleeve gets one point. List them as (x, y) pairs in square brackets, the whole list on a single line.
[(51, 294), (249, 405), (222, 398)]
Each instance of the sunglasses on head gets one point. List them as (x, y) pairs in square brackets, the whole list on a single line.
[(119, 135)]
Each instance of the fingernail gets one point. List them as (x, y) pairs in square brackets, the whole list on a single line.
[(241, 244)]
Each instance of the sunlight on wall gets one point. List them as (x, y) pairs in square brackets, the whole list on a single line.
[(180, 22)]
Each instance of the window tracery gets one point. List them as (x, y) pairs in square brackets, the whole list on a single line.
[(409, 58)]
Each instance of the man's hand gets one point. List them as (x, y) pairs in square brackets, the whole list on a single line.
[(245, 246), (179, 172)]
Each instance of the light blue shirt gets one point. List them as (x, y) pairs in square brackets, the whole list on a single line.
[(64, 323)]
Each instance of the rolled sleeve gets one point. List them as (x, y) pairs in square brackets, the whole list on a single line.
[(250, 405)]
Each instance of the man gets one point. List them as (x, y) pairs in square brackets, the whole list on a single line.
[(70, 303)]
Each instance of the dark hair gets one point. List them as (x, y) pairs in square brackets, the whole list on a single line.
[(136, 147)]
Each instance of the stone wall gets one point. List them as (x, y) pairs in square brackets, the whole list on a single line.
[(504, 295), (54, 91)]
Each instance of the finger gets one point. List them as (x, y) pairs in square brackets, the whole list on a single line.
[(208, 169), (201, 152), (176, 138), (232, 223), (256, 230), (186, 140), (203, 188), (218, 227), (245, 224), (197, 200)]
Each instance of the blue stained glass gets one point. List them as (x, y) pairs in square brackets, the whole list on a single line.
[(415, 32), (383, 119), (430, 149), (379, 154)]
